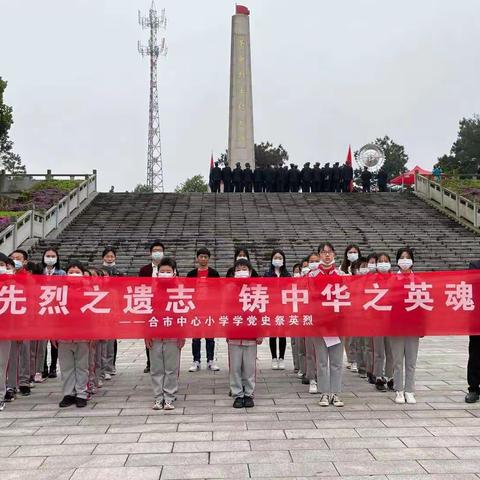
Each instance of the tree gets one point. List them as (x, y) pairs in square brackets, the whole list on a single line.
[(196, 184), (464, 155), (11, 162), (265, 155), (142, 189)]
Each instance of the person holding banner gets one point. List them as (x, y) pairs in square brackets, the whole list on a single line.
[(473, 366), (242, 356), (302, 359), (328, 350), (165, 355)]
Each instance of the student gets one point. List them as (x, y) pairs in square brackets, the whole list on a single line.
[(304, 270), (165, 355), (74, 356), (372, 269), (241, 253), (404, 349), (296, 273), (278, 268), (203, 271), (242, 355), (157, 252), (328, 350), (382, 351), (5, 345)]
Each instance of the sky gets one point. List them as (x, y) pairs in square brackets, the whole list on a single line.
[(326, 74)]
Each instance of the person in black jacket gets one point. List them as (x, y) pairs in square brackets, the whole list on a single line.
[(268, 178), (306, 178), (203, 271), (366, 178), (237, 178), (277, 268), (335, 182), (240, 253), (294, 178), (258, 179), (285, 173), (382, 179), (327, 177), (278, 178), (227, 179), (248, 178), (347, 177), (316, 178), (473, 367), (215, 178)]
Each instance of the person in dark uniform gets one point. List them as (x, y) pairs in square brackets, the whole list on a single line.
[(237, 178), (347, 177), (366, 178), (248, 178), (327, 177), (268, 178), (258, 179), (227, 179), (294, 178), (306, 178), (279, 179), (286, 187), (473, 367), (335, 183), (316, 178), (215, 178), (382, 179)]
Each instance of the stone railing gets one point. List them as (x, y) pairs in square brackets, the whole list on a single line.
[(462, 209), (36, 224)]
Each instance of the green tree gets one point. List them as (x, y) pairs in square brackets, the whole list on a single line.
[(266, 154), (140, 188), (10, 161), (464, 155), (196, 184)]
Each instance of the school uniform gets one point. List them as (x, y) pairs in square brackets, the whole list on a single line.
[(294, 342), (74, 358), (382, 358), (18, 372), (5, 346), (242, 356)]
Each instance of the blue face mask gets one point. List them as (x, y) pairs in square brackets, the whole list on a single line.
[(18, 264)]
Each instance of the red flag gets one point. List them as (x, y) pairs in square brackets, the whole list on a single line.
[(211, 162), (241, 10), (349, 163)]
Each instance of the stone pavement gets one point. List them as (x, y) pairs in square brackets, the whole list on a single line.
[(287, 435)]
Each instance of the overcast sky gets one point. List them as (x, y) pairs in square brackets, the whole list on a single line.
[(325, 74)]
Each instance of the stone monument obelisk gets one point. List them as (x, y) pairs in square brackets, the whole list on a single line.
[(240, 134)]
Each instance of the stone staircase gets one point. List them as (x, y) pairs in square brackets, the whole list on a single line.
[(293, 221)]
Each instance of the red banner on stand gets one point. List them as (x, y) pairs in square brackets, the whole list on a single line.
[(46, 307)]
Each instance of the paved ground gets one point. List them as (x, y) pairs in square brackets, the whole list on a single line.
[(286, 435)]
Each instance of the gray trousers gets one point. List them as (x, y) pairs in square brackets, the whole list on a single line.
[(18, 373), (4, 356), (301, 354), (365, 354), (38, 351), (382, 357), (164, 368), (353, 350), (243, 364), (110, 360), (405, 351), (294, 342), (329, 366), (73, 358), (310, 361)]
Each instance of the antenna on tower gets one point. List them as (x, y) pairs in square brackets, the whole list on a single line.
[(154, 49)]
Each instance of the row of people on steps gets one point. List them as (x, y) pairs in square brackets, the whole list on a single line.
[(336, 178)]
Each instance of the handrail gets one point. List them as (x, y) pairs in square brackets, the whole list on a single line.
[(37, 224), (464, 210)]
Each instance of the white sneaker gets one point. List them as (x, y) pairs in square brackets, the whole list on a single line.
[(348, 365), (158, 405), (100, 383), (2, 405), (324, 400), (114, 371), (399, 398), (38, 378), (274, 364), (299, 374), (195, 367), (410, 398), (313, 387), (281, 364), (169, 406), (337, 401), (211, 365), (354, 367), (108, 376)]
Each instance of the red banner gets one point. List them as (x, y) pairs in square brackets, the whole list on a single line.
[(46, 307)]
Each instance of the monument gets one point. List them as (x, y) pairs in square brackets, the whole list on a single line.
[(240, 135)]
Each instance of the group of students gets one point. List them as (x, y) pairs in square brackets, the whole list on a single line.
[(386, 362)]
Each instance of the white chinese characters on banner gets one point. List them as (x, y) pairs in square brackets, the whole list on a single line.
[(10, 298), (53, 300), (295, 297), (139, 300), (379, 294), (98, 296), (460, 296), (419, 296), (254, 297), (337, 296), (180, 299)]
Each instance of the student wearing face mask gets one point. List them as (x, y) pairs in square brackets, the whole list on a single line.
[(242, 356), (165, 354), (157, 252), (241, 253), (382, 350), (404, 349), (296, 273), (302, 353), (203, 271), (372, 269), (74, 357), (277, 269)]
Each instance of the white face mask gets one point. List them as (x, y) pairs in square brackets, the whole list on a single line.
[(75, 274), (363, 271), (10, 272), (50, 261), (352, 257), (277, 263), (109, 264), (327, 264), (165, 274), (242, 274), (384, 267), (372, 267), (297, 275), (157, 256), (18, 264), (305, 270), (3, 270), (242, 258), (405, 263), (313, 265)]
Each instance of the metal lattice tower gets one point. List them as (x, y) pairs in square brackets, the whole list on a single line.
[(154, 49)]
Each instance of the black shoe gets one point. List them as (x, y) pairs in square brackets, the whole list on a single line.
[(305, 380), (45, 374), (248, 402), (67, 401), (380, 385), (81, 402), (238, 403), (25, 391), (390, 385), (146, 369), (53, 373), (370, 379), (472, 397), (9, 395)]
